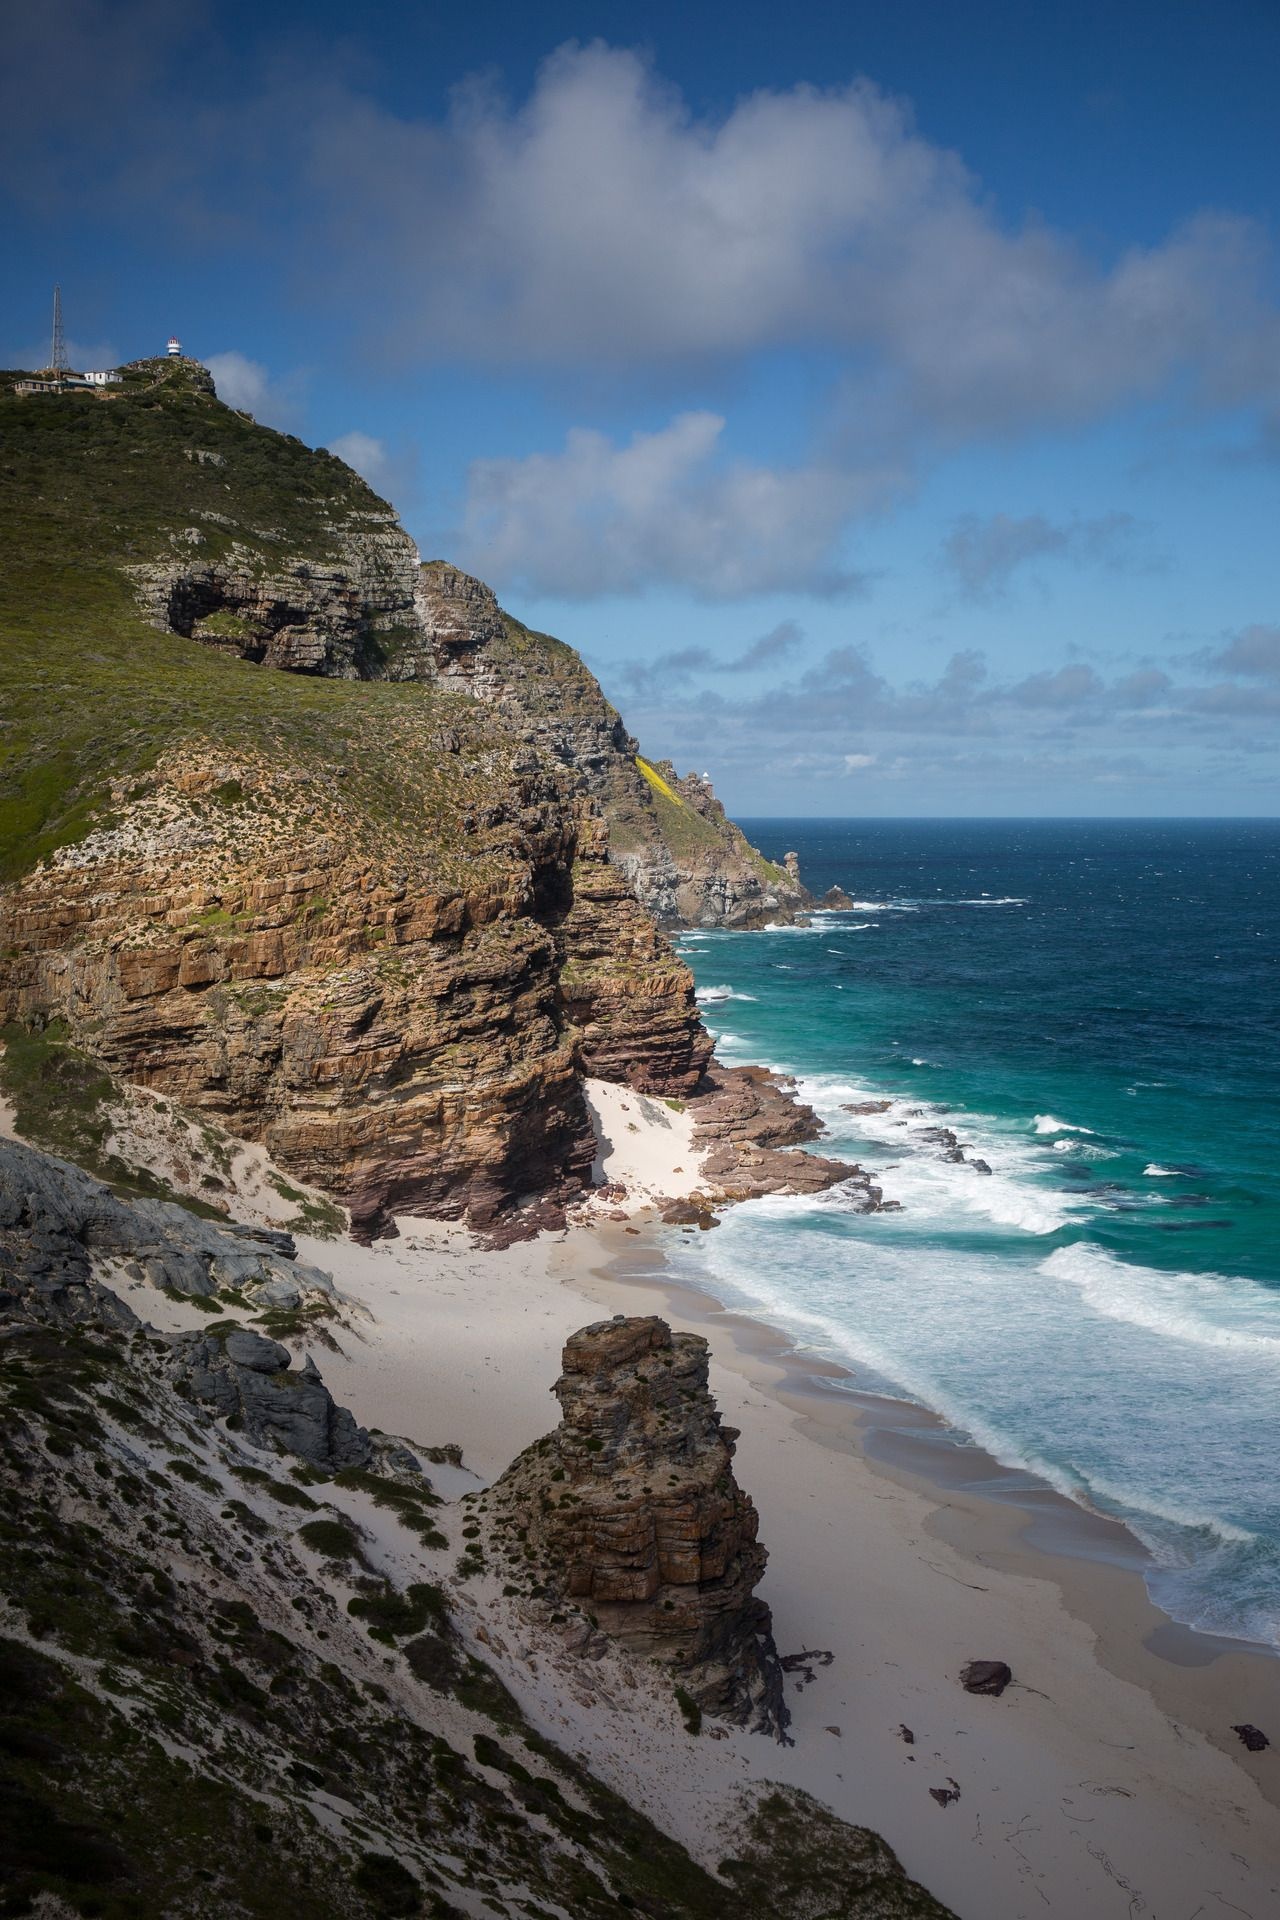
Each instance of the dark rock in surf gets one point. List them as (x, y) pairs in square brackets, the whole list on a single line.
[(1251, 1737), (986, 1676)]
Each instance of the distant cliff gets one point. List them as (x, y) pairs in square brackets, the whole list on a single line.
[(687, 863)]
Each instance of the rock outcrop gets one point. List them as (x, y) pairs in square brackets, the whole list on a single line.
[(305, 569), (401, 1017), (61, 1231), (251, 1629), (748, 1125), (628, 998), (57, 1222), (374, 925), (631, 1509), (248, 1379), (337, 590)]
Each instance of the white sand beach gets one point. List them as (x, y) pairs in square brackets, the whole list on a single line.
[(1106, 1781)]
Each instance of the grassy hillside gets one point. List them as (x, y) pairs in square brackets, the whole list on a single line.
[(91, 695)]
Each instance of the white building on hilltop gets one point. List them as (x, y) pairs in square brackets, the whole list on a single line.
[(175, 346)]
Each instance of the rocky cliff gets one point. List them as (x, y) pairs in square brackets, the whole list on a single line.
[(631, 1509), (252, 544), (369, 922), (685, 860)]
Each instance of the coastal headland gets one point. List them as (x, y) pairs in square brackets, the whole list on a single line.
[(348, 1078), (1106, 1779)]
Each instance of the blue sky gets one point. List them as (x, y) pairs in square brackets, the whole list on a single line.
[(886, 401)]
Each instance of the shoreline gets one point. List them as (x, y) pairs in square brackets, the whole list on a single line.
[(1105, 1781), (996, 1515), (1088, 1787)]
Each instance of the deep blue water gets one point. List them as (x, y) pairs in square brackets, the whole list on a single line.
[(1094, 1008)]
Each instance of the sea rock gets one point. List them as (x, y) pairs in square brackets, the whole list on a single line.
[(986, 1676), (631, 1509), (836, 900), (747, 1124), (1251, 1737)]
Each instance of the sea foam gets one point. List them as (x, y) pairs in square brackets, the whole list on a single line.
[(1202, 1309)]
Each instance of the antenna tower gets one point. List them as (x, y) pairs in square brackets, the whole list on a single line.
[(58, 361)]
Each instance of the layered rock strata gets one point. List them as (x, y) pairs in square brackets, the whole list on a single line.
[(305, 569), (391, 1014), (748, 1127), (627, 996), (630, 1508), (685, 861)]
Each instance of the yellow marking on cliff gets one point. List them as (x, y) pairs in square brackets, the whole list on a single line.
[(655, 779)]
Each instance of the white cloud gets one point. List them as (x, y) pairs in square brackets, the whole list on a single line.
[(1254, 652), (599, 517), (602, 220), (856, 762), (367, 455), (247, 384), (983, 554)]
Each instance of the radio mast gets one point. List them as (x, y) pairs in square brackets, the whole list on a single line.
[(58, 361)]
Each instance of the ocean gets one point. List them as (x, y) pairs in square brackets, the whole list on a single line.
[(1093, 1008)]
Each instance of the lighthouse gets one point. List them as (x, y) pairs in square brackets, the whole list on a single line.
[(175, 346)]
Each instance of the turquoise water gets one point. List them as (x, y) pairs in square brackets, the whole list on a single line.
[(1094, 1008)]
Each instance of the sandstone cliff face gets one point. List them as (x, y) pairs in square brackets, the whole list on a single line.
[(358, 606), (389, 1022), (340, 614), (631, 1509), (629, 999), (367, 921), (686, 862)]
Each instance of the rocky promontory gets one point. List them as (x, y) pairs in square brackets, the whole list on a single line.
[(631, 1509), (377, 911), (748, 1124)]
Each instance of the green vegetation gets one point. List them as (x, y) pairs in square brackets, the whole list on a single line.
[(60, 1097), (409, 1502), (91, 696), (62, 1101), (392, 1616), (334, 1539), (800, 1859), (97, 1814), (391, 1887), (322, 1218), (690, 1711)]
